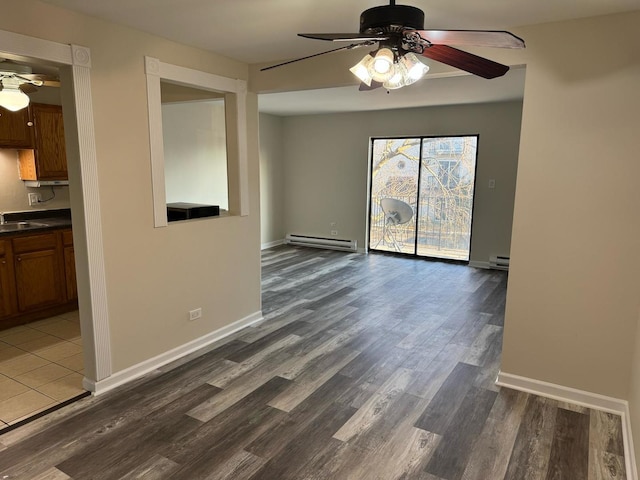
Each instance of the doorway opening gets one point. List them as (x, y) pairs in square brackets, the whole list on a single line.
[(421, 195)]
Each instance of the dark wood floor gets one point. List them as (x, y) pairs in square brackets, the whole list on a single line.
[(366, 367)]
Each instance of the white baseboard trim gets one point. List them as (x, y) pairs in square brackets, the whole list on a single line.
[(275, 243), (136, 371), (596, 401), (477, 264)]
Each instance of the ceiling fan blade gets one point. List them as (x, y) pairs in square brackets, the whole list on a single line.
[(477, 38), (365, 88), (28, 88), (483, 67), (344, 37), (346, 47)]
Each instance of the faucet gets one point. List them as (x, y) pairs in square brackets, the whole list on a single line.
[(1, 218)]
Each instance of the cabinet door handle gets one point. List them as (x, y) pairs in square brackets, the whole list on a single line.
[(29, 124), (19, 259)]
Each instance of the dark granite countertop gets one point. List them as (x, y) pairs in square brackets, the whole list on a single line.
[(35, 221)]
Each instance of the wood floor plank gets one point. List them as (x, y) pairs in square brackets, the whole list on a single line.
[(532, 448), (570, 447), (53, 474), (309, 444), (491, 453), (443, 408), (241, 466), (450, 458), (374, 409), (606, 447), (156, 468)]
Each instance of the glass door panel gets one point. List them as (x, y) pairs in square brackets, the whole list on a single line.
[(394, 193), (446, 196)]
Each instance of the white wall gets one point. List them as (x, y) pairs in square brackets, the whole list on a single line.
[(195, 152), (272, 226), (326, 166)]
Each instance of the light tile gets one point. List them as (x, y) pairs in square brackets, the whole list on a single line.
[(10, 388), (3, 345), (75, 362), (59, 351), (20, 406), (23, 336), (11, 331), (63, 388), (41, 343), (61, 328), (47, 321), (22, 364), (72, 316), (43, 375), (11, 353)]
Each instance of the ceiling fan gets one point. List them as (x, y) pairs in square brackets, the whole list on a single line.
[(399, 32), (17, 80)]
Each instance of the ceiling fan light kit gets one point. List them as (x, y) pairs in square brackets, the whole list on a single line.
[(11, 97), (399, 31)]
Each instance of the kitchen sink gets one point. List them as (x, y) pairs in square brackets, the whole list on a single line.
[(19, 226)]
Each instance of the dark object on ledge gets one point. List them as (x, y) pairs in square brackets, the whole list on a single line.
[(185, 211)]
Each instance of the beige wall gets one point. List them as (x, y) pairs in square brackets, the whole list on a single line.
[(326, 167), (154, 276), (573, 287), (272, 185)]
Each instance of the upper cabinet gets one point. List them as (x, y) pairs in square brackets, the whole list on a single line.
[(48, 159), (16, 129)]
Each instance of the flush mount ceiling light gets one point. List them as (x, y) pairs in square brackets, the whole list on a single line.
[(11, 97)]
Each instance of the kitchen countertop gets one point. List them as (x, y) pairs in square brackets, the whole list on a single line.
[(17, 223)]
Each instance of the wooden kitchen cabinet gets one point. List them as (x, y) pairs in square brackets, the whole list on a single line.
[(71, 283), (16, 129), (7, 283), (38, 273), (48, 159), (37, 276)]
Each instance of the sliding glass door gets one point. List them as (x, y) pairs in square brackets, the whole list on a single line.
[(421, 195)]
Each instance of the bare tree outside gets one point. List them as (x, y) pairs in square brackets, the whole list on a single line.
[(422, 195)]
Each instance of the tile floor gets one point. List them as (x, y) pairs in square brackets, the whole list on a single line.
[(40, 366)]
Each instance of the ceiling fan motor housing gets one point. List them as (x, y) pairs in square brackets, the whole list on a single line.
[(389, 18)]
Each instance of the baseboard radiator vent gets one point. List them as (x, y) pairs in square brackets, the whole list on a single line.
[(321, 242), (499, 263)]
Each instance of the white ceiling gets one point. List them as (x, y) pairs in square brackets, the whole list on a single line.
[(257, 31)]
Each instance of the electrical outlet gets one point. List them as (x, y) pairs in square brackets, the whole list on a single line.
[(492, 183), (334, 232), (195, 314), (34, 198), (333, 224)]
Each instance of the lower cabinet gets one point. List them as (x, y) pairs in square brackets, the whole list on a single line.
[(7, 284), (71, 283), (37, 277), (36, 260)]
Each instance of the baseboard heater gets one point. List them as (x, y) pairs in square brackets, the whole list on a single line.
[(499, 263), (321, 242)]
